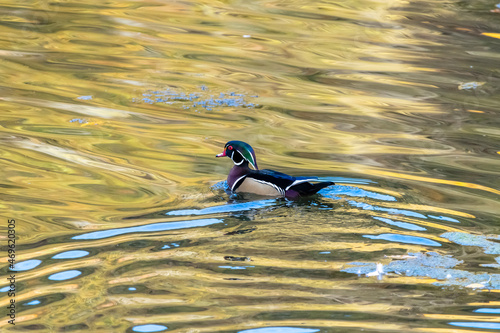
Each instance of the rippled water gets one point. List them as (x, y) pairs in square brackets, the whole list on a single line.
[(112, 113)]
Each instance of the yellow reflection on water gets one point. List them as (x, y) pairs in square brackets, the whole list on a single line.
[(438, 181), (366, 91)]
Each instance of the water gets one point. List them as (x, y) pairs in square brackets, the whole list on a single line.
[(112, 114)]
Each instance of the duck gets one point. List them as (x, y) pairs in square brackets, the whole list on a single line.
[(246, 177)]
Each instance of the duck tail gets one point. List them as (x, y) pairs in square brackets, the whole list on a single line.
[(306, 189)]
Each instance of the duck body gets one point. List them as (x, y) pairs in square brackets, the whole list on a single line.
[(265, 182)]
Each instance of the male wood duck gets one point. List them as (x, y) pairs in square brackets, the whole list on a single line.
[(242, 178)]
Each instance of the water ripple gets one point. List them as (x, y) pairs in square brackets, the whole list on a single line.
[(71, 254), (66, 275), (404, 239), (149, 328), (112, 113), (147, 228)]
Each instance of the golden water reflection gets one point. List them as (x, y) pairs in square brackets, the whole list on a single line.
[(112, 114)]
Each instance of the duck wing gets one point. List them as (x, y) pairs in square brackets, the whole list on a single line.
[(279, 179), (283, 184), (293, 186), (305, 189)]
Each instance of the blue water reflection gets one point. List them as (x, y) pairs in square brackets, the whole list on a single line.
[(476, 324), (162, 226), (487, 310), (66, 275), (366, 206), (149, 328), (444, 218), (278, 329), (463, 238), (26, 265), (167, 246), (404, 225), (202, 98), (34, 302), (404, 239), (85, 98), (347, 180), (71, 254), (352, 191), (431, 265), (227, 208), (235, 267)]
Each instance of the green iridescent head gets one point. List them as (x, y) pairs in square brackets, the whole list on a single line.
[(239, 152)]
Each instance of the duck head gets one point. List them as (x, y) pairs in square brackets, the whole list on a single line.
[(240, 152)]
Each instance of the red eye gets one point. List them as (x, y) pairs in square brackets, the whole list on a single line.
[(230, 147)]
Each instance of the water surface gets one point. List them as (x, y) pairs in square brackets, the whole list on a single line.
[(112, 115)]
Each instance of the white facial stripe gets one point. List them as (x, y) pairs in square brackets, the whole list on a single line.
[(252, 162)]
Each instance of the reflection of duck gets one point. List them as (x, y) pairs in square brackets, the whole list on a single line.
[(242, 178)]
